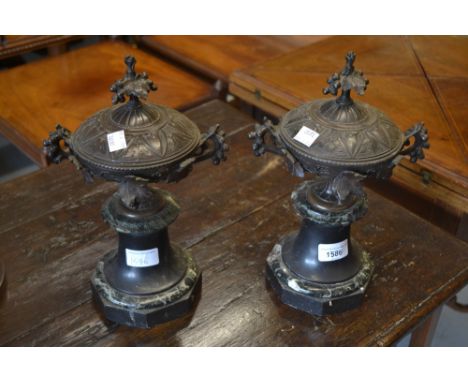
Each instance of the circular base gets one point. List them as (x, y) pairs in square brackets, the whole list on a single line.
[(309, 206), (313, 297), (146, 311), (123, 219)]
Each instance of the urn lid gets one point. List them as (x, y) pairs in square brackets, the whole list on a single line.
[(133, 137), (341, 132)]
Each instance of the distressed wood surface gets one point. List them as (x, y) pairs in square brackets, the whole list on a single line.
[(218, 56), (69, 88), (405, 83), (231, 217)]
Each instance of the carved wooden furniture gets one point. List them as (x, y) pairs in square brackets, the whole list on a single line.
[(50, 247), (417, 78), (68, 88), (218, 56)]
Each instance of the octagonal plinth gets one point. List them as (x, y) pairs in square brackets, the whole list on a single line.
[(146, 311), (146, 280), (315, 297)]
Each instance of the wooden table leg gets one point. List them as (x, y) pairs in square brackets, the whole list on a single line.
[(422, 335), (457, 306)]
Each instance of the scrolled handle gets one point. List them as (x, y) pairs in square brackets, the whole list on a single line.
[(421, 141), (52, 148), (260, 146), (55, 153), (216, 152)]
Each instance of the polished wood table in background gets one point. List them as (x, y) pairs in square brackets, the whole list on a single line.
[(216, 57), (52, 235), (15, 45), (68, 88), (411, 79)]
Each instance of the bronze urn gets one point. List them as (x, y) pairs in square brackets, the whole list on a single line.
[(147, 279), (321, 269)]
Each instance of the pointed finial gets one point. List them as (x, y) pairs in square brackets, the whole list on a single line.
[(349, 68), (349, 79), (133, 85), (130, 61)]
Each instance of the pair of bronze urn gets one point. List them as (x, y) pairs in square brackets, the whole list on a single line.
[(319, 269)]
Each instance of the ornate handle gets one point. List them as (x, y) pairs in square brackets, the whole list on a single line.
[(52, 148), (259, 146), (219, 148), (421, 142), (55, 153), (216, 151)]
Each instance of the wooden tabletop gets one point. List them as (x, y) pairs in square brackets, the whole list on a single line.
[(52, 235), (218, 56), (68, 88), (411, 79), (442, 56)]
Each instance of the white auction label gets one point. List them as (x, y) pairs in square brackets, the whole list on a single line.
[(142, 258), (116, 141), (333, 252), (306, 136)]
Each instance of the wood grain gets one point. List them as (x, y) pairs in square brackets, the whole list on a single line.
[(231, 217), (453, 96), (442, 56), (387, 55), (218, 56), (68, 88)]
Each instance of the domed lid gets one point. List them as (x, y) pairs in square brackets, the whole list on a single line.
[(134, 138), (341, 132)]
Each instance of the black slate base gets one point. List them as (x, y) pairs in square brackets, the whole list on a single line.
[(146, 311)]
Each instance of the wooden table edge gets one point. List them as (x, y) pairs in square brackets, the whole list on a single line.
[(25, 146), (38, 43), (394, 334)]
